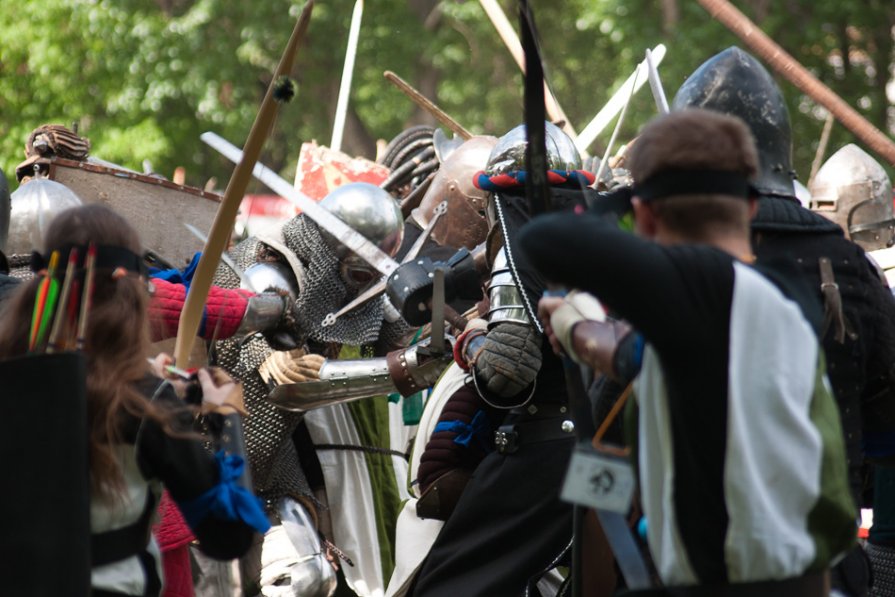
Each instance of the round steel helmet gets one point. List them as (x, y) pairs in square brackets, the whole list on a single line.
[(733, 82), (34, 205), (463, 224), (853, 190), (509, 153), (375, 215), (5, 209)]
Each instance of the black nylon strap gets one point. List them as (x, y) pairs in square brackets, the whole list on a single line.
[(107, 257), (668, 183), (119, 544)]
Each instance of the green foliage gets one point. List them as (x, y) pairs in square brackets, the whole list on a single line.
[(143, 78)]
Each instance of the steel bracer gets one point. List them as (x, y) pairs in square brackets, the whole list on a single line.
[(404, 371)]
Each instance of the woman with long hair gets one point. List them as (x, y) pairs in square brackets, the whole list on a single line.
[(140, 434)]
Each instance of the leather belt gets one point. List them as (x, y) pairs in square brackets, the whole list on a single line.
[(508, 438), (541, 411)]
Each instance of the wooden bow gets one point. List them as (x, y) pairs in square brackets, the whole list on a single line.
[(191, 315)]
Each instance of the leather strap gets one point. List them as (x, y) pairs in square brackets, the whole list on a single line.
[(400, 372), (832, 301), (508, 438)]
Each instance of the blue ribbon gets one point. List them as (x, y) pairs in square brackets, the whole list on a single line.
[(477, 428), (226, 500)]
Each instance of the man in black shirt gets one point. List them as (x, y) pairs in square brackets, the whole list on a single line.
[(740, 452)]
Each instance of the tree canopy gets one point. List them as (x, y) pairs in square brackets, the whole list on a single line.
[(143, 78)]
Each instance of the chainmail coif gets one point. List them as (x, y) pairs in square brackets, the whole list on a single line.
[(325, 292)]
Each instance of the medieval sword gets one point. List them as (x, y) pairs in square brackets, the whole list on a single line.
[(347, 72), (655, 84), (323, 218)]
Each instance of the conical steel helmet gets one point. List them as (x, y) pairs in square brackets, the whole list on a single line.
[(734, 82)]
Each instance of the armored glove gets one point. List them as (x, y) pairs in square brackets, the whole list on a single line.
[(410, 287), (269, 313), (292, 366), (508, 362)]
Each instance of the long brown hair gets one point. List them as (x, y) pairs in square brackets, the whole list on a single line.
[(116, 338)]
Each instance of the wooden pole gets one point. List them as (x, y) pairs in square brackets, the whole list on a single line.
[(789, 68), (821, 147), (426, 104), (219, 235)]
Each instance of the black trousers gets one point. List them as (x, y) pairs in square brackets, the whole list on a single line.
[(507, 528)]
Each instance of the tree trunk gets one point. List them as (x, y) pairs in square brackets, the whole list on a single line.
[(671, 14)]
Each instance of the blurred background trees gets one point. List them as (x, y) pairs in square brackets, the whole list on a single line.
[(143, 78)]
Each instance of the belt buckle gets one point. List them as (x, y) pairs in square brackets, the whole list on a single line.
[(505, 439)]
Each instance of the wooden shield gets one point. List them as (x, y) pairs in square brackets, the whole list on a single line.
[(156, 207)]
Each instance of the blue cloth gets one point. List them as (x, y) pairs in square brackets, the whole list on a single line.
[(478, 428), (176, 276), (226, 500)]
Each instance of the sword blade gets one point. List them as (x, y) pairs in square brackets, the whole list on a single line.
[(616, 102), (347, 72), (655, 84), (323, 218), (378, 288)]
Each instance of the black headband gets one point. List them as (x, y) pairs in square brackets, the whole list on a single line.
[(107, 257), (667, 183)]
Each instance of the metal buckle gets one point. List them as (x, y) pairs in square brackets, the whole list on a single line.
[(505, 439)]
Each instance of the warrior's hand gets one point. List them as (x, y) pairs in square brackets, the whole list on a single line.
[(294, 366), (220, 392), (561, 315)]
